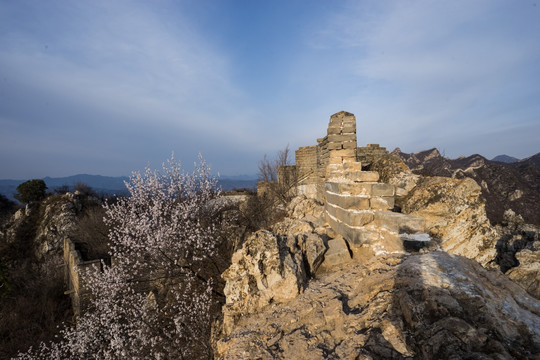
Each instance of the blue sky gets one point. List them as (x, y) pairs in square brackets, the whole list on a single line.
[(107, 87)]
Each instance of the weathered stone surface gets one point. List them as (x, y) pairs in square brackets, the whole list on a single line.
[(354, 165), (382, 189), (428, 306), (292, 227), (341, 138), (343, 153), (313, 248), (362, 176), (349, 145), (348, 188), (398, 222), (381, 202), (302, 206), (380, 240), (455, 213), (337, 253), (350, 217), (404, 182), (267, 269)]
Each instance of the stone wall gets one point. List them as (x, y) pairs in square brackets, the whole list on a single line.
[(74, 270), (368, 154)]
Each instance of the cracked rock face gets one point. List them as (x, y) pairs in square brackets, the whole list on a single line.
[(268, 268), (527, 273), (424, 306), (302, 207), (455, 213), (51, 220)]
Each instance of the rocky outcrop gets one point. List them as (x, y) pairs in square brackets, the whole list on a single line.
[(302, 207), (454, 212), (267, 269), (425, 306), (527, 273), (273, 267), (44, 225), (505, 186)]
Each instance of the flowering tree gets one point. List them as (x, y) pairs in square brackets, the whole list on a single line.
[(154, 301)]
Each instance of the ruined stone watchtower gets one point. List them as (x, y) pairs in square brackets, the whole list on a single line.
[(357, 205)]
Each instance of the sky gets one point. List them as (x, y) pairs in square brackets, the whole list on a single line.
[(109, 87)]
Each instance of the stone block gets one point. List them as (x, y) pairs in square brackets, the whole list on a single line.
[(355, 236), (352, 165), (399, 223), (350, 217), (334, 167), (349, 145), (381, 202), (334, 146), (341, 138), (334, 130), (356, 202), (337, 253), (362, 176), (350, 188), (335, 160), (343, 153), (382, 189), (348, 129)]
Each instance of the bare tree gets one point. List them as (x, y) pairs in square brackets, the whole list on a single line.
[(279, 177)]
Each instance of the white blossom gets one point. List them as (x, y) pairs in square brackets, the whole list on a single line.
[(160, 238)]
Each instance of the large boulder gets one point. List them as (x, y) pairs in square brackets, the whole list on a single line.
[(267, 269), (426, 306), (454, 212), (303, 207)]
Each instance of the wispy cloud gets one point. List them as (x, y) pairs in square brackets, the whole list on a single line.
[(121, 65), (442, 69)]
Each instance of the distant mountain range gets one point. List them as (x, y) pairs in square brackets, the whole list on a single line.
[(505, 184), (505, 159), (115, 185)]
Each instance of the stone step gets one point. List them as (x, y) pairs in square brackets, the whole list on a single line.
[(350, 217), (357, 236), (364, 188), (355, 202), (381, 203), (362, 176), (416, 242), (398, 222)]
